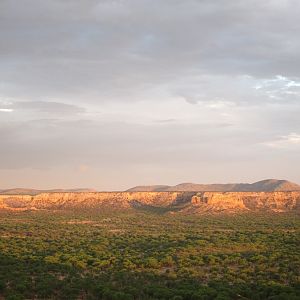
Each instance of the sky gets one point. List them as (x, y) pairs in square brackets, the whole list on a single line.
[(110, 94)]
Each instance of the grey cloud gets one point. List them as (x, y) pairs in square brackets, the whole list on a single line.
[(165, 121), (45, 143), (109, 85), (48, 107), (120, 49), (241, 90), (190, 152), (290, 141)]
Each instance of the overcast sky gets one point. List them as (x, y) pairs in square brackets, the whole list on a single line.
[(115, 93)]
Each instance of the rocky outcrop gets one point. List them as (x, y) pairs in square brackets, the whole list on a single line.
[(246, 201), (116, 200), (180, 202)]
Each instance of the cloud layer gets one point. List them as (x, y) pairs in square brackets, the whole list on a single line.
[(115, 93)]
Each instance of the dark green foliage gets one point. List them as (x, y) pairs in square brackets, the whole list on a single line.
[(148, 256)]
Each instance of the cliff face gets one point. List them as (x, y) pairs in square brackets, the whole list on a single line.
[(246, 201), (88, 200), (181, 202)]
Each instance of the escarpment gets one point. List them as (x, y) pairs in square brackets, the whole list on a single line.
[(246, 201), (175, 202)]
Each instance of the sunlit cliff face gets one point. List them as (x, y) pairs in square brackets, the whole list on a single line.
[(112, 94), (169, 202)]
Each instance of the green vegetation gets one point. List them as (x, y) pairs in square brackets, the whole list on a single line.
[(118, 255)]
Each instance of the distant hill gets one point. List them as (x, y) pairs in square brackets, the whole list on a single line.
[(24, 191), (273, 185), (268, 185), (151, 188)]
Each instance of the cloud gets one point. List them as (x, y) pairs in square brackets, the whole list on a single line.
[(287, 141), (100, 51), (48, 107), (109, 84), (6, 110), (245, 90), (279, 88), (83, 168), (30, 110)]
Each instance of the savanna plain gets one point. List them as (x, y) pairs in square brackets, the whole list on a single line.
[(148, 254)]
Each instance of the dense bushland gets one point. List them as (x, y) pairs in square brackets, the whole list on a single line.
[(127, 255)]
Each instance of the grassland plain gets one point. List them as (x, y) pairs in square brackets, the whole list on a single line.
[(148, 255)]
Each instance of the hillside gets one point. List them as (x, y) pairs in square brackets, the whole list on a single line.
[(268, 185), (271, 185), (159, 202)]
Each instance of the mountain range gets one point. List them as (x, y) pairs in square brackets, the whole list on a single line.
[(268, 185), (32, 192), (269, 195)]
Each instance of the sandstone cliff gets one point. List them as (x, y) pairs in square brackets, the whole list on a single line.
[(180, 202)]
